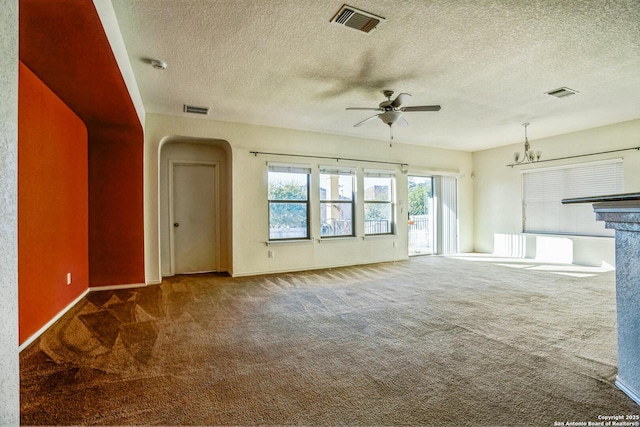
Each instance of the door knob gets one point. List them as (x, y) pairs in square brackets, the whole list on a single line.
[(175, 224)]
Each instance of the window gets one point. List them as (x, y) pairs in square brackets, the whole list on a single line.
[(336, 202), (543, 191), (378, 203), (288, 202)]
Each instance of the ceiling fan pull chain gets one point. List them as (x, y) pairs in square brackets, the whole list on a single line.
[(390, 136)]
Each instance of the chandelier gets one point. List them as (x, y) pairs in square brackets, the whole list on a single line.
[(529, 155)]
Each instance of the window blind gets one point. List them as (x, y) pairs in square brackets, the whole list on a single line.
[(379, 174), (329, 170), (289, 168), (543, 191), (446, 210)]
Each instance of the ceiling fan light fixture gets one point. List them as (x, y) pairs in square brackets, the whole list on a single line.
[(390, 111), (390, 117)]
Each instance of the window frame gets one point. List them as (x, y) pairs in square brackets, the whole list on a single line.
[(335, 171), (391, 202), (292, 169)]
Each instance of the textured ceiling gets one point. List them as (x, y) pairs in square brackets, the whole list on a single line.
[(487, 62)]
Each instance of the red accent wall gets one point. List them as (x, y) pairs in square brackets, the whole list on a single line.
[(64, 43), (116, 211), (52, 204)]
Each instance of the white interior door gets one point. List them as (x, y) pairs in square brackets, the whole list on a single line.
[(194, 217)]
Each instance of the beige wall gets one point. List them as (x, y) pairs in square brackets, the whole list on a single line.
[(9, 369), (497, 189), (112, 30), (249, 254)]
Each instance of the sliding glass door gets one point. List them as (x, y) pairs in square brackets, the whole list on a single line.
[(421, 224)]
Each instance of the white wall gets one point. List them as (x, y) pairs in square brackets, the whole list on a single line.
[(497, 190), (9, 369), (249, 192)]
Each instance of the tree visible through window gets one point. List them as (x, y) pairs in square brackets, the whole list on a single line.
[(419, 195), (288, 203)]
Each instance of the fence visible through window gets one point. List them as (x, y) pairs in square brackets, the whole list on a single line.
[(377, 226), (420, 238), (379, 196)]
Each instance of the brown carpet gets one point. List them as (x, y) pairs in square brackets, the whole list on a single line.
[(429, 341)]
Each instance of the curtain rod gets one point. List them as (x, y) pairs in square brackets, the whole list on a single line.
[(255, 153), (573, 157)]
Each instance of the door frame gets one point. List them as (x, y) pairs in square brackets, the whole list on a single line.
[(216, 208)]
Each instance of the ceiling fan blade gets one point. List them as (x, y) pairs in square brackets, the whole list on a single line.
[(365, 109), (402, 122), (365, 121), (421, 108), (400, 99)]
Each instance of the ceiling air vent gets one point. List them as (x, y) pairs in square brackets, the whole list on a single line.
[(196, 110), (357, 19), (562, 92)]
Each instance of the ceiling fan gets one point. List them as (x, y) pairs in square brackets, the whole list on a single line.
[(390, 112)]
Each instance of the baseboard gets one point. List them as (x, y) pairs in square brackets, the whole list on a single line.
[(318, 267), (33, 337), (628, 391), (117, 287)]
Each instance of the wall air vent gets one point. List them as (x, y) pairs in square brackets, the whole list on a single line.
[(196, 110), (562, 92), (359, 20)]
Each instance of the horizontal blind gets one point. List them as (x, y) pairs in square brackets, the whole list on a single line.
[(289, 168), (543, 191), (379, 174)]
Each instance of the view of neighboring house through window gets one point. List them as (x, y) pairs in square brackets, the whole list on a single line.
[(543, 191), (336, 202), (378, 202), (288, 202)]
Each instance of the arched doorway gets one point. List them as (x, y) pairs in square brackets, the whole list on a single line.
[(194, 205)]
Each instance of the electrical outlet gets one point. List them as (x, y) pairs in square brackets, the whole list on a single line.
[(395, 244), (270, 253), (68, 278)]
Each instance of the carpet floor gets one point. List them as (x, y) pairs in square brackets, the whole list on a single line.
[(433, 341)]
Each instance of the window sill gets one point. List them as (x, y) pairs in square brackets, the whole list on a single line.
[(338, 239), (380, 236), (289, 242), (540, 233)]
